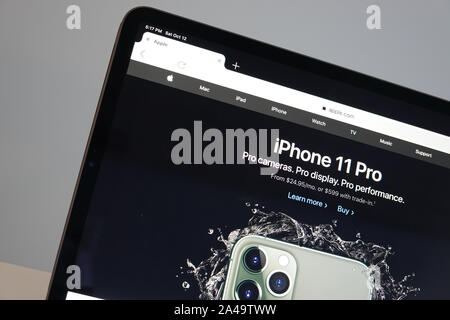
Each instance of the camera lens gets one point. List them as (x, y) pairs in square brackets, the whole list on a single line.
[(248, 290), (279, 283), (255, 259)]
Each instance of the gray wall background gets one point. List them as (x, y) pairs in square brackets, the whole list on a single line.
[(51, 77)]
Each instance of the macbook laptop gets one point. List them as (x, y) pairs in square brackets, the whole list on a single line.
[(220, 167)]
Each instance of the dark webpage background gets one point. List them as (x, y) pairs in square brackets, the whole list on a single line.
[(147, 216)]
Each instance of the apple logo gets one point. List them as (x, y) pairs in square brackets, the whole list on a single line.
[(170, 77)]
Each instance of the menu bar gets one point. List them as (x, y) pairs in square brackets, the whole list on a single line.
[(288, 113), (207, 65)]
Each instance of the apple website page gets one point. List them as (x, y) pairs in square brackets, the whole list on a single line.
[(216, 184)]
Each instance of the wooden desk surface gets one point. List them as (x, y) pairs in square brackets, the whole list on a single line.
[(17, 282)]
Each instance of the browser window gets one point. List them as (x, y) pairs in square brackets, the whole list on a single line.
[(216, 184)]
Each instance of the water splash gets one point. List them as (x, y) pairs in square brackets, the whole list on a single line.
[(185, 285), (210, 273)]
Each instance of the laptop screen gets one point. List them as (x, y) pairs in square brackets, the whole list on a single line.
[(227, 175)]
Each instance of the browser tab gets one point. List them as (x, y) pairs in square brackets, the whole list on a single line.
[(175, 55)]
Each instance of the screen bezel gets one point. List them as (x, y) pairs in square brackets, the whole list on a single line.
[(113, 81)]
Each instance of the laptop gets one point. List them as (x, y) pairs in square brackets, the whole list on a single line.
[(222, 168)]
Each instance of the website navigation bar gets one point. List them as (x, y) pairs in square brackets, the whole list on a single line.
[(209, 66), (280, 111)]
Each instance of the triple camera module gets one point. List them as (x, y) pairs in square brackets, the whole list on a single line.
[(255, 261), (262, 268)]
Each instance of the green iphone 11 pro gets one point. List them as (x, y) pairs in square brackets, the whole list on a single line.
[(261, 268)]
